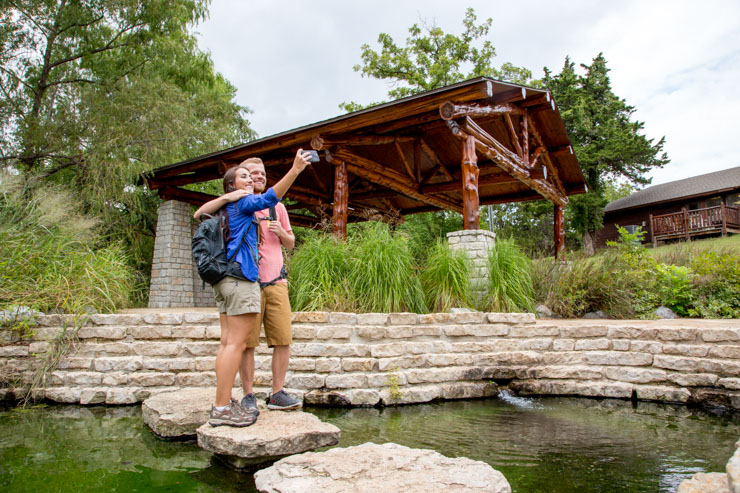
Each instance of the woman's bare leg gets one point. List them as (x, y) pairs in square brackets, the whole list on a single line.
[(234, 335)]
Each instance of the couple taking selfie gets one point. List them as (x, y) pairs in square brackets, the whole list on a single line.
[(257, 293)]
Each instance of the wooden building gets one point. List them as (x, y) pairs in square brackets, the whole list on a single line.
[(477, 142), (704, 205)]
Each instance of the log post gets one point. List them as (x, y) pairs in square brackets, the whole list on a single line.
[(341, 196), (471, 218), (686, 223), (652, 232), (723, 215), (559, 232)]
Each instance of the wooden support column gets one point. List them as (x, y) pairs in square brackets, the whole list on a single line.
[(471, 219), (559, 232), (341, 196)]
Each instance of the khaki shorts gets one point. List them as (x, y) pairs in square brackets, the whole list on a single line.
[(276, 316), (237, 296)]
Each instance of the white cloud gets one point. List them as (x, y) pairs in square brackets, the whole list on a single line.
[(677, 62)]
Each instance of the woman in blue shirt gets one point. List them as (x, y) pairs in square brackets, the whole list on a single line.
[(239, 299)]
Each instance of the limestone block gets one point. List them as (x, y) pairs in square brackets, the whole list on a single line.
[(663, 394), (712, 482), (511, 318), (8, 351), (592, 344), (163, 318), (403, 319), (470, 318), (729, 352), (304, 331), (635, 375), (65, 395), (157, 348), (196, 379), (451, 359), (686, 350), (363, 397), (563, 345), (693, 379), (583, 332), (387, 364), (333, 332), (410, 395), (426, 330), (677, 363), (275, 434), (115, 379), (342, 318), (733, 470), (206, 318), (125, 363), (144, 332), (372, 332), (388, 350), (315, 349), (391, 378), (204, 364), (565, 372), (121, 319), (213, 332), (434, 375), (104, 350), (497, 330), (93, 396), (399, 331), (646, 347), (372, 467), (201, 348), (75, 363), (151, 379), (168, 364), (536, 345), (309, 317), (305, 381), (619, 345), (729, 383), (372, 318), (46, 333), (534, 331), (359, 364), (468, 390), (627, 332), (121, 396), (722, 368), (296, 364), (346, 381), (189, 332), (77, 378), (436, 318), (328, 365), (38, 347), (526, 358), (334, 398), (617, 358), (720, 335), (677, 334)]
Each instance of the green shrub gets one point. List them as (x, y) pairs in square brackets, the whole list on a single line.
[(382, 275), (51, 258), (317, 275), (716, 286), (510, 286), (445, 279)]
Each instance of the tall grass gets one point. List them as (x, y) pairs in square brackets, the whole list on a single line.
[(510, 286), (683, 253), (318, 275), (445, 279), (51, 258), (382, 276)]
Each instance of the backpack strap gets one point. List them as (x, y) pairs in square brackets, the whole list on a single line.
[(283, 275)]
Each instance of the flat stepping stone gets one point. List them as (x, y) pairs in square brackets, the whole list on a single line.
[(705, 482), (274, 435), (377, 468), (179, 413)]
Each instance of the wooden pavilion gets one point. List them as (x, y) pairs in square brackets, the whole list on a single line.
[(473, 143)]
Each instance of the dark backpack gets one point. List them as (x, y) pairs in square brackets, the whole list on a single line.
[(209, 251)]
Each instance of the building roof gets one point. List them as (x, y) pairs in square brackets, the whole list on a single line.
[(404, 156), (716, 182)]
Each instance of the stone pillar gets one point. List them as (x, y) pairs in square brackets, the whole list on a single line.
[(172, 265), (476, 243)]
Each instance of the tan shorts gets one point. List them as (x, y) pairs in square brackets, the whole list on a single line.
[(276, 316), (237, 296)]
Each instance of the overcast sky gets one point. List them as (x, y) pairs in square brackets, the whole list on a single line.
[(677, 62)]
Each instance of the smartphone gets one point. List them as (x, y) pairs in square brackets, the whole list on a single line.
[(314, 156)]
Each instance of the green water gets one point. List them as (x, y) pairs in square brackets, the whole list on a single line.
[(540, 445)]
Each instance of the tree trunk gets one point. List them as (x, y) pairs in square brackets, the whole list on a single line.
[(588, 243)]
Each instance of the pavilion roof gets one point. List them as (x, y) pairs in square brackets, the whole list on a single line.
[(404, 156)]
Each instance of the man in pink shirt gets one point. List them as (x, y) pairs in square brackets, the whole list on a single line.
[(275, 313)]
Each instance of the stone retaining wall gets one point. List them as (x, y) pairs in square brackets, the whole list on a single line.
[(370, 359)]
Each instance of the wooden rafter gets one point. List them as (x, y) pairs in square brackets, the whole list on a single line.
[(513, 135), (405, 161), (552, 170), (435, 159), (321, 142), (451, 186), (449, 110)]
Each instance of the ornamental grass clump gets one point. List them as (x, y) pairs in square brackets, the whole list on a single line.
[(445, 279), (318, 275), (51, 257), (510, 286), (382, 274)]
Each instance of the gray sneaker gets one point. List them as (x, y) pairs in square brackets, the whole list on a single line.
[(249, 403), (233, 415), (282, 401)]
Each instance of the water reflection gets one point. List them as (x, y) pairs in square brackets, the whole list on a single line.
[(540, 445)]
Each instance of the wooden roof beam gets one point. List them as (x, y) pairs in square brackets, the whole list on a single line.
[(449, 110), (435, 159), (553, 171), (452, 186), (318, 142)]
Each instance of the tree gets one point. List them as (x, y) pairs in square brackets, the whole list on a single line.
[(609, 145), (93, 93), (433, 59)]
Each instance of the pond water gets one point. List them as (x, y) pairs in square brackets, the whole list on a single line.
[(540, 445)]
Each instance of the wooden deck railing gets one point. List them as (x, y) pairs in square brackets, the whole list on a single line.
[(697, 222)]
